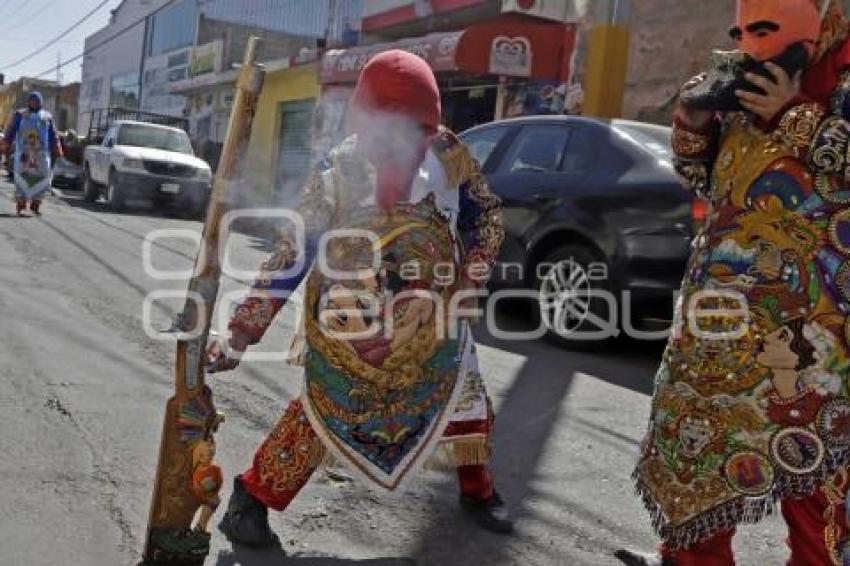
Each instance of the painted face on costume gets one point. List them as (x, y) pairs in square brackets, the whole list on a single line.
[(776, 351), (764, 29)]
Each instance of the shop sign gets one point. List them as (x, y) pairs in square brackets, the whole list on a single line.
[(438, 49), (511, 56), (205, 59)]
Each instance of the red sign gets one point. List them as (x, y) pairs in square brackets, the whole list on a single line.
[(511, 45), (438, 49), (402, 12)]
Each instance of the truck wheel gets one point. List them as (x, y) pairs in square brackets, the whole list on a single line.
[(91, 191), (114, 195)]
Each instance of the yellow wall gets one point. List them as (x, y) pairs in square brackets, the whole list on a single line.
[(288, 85)]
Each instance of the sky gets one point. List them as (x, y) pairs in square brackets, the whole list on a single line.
[(25, 25)]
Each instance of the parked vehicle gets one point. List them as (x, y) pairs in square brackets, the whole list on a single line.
[(67, 175), (101, 119), (68, 169), (148, 162), (591, 208)]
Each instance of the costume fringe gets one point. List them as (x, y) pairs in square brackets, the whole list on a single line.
[(453, 453), (743, 510), (709, 523), (473, 451)]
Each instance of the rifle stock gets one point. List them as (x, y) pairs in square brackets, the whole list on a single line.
[(187, 482)]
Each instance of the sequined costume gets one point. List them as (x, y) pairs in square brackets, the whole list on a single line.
[(452, 186), (752, 399)]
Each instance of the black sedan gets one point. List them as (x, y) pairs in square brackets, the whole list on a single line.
[(598, 224)]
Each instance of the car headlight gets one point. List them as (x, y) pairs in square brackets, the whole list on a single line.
[(203, 173), (130, 163)]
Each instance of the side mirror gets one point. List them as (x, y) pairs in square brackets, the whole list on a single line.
[(110, 142)]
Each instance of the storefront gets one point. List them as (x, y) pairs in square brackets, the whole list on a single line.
[(280, 148), (509, 66)]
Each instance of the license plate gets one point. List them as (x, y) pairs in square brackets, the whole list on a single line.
[(170, 188)]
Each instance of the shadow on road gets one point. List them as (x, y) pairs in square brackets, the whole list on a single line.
[(624, 361), (146, 211), (247, 557), (531, 410)]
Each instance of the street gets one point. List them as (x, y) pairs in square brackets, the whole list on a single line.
[(83, 390)]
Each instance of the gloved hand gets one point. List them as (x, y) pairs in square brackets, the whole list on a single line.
[(220, 358)]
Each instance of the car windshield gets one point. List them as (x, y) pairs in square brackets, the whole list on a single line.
[(656, 139), (138, 135)]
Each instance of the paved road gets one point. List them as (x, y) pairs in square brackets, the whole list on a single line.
[(82, 389)]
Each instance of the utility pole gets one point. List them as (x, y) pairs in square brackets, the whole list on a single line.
[(608, 59), (58, 67), (332, 24)]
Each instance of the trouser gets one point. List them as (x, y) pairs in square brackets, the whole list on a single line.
[(817, 527), (293, 451), (35, 204)]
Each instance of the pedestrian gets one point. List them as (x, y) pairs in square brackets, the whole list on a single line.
[(36, 146), (752, 404), (385, 387)]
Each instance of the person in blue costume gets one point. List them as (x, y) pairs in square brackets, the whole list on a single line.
[(36, 146)]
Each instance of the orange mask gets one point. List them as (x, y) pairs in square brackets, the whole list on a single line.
[(766, 28)]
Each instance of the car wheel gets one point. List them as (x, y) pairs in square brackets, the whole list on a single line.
[(114, 195), (91, 191), (574, 300)]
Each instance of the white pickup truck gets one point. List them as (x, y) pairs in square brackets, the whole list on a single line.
[(139, 161)]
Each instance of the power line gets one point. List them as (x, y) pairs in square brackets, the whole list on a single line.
[(27, 19), (58, 37), (20, 38), (107, 40)]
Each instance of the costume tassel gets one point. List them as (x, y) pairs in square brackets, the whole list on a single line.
[(471, 451), (450, 454)]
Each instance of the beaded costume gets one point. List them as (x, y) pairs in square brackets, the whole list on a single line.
[(752, 399)]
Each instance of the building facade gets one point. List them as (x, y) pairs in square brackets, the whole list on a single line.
[(493, 58), (671, 41), (199, 80), (150, 46), (113, 59), (279, 154), (60, 101)]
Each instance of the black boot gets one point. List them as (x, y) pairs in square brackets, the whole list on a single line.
[(632, 558), (491, 514), (246, 520)]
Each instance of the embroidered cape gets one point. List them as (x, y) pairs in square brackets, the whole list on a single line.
[(752, 399), (382, 403), (34, 136)]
